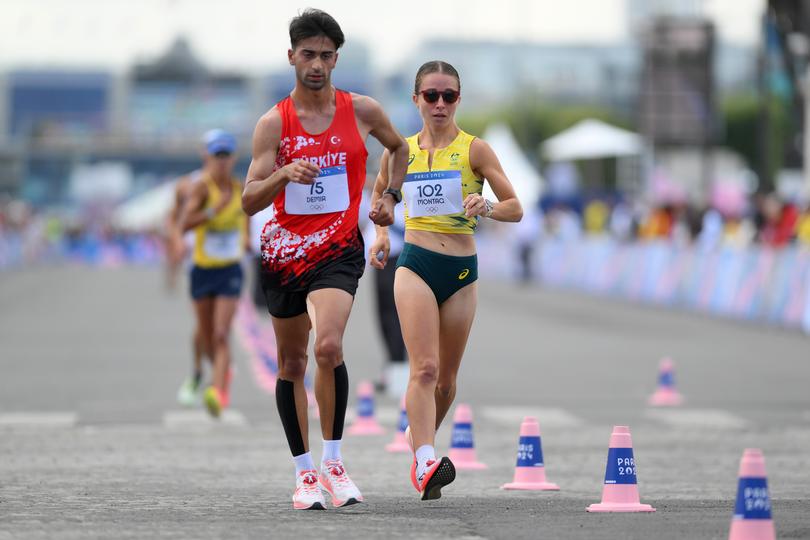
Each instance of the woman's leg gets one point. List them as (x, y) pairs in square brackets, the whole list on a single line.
[(456, 314), (419, 318)]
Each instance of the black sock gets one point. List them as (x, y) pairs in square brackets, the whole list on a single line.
[(285, 401), (197, 378), (341, 400)]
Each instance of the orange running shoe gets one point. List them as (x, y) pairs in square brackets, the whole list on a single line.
[(437, 475), (409, 438)]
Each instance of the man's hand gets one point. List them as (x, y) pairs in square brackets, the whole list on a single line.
[(302, 172), (378, 252), (383, 212), (177, 247)]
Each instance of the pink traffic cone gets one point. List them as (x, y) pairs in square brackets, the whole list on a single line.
[(530, 473), (365, 423), (620, 492), (400, 444), (665, 395), (462, 448), (752, 512)]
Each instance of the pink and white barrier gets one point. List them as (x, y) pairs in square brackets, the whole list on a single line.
[(755, 283)]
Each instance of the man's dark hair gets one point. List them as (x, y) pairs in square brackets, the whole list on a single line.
[(435, 66), (314, 23)]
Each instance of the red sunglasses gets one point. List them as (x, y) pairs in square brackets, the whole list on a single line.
[(432, 95)]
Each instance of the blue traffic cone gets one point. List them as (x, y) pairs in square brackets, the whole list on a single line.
[(752, 512), (365, 423), (462, 447), (530, 472), (400, 443)]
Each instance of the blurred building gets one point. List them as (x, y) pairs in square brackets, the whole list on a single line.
[(174, 99), (608, 75), (151, 116), (59, 128), (493, 73), (57, 105)]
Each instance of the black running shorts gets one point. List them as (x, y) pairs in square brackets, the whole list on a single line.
[(341, 273)]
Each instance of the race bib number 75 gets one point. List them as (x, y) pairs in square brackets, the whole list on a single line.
[(328, 193), (434, 193)]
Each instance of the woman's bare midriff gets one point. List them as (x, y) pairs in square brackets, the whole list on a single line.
[(458, 245)]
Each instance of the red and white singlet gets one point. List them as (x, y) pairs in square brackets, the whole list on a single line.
[(304, 233)]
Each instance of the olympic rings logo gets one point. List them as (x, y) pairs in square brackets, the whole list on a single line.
[(432, 210), (317, 207)]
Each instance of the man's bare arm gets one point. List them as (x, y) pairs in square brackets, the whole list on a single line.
[(262, 185), (193, 214), (381, 128), (371, 114)]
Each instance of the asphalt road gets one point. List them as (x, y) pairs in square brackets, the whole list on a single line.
[(93, 444)]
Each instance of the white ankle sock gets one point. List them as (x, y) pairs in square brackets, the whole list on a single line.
[(303, 463), (331, 450), (424, 454)]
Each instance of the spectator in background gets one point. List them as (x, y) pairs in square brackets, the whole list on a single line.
[(622, 223), (738, 232), (781, 219), (563, 223), (659, 223), (528, 232), (595, 217), (711, 231), (803, 227)]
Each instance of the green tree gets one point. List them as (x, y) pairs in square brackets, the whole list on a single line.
[(534, 123), (740, 119)]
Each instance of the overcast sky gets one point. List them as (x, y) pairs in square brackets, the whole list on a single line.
[(252, 35)]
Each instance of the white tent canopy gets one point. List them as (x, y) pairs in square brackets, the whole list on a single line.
[(592, 139), (524, 178), (147, 211)]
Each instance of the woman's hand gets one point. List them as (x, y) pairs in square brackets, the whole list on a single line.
[(475, 205), (378, 252)]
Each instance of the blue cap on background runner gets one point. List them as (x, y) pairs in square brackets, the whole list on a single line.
[(218, 140)]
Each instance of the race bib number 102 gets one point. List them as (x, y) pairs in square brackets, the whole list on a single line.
[(434, 193), (328, 193)]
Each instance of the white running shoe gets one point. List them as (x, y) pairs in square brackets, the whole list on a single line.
[(338, 484), (307, 494), (188, 395)]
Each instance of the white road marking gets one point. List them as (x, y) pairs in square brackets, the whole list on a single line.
[(697, 418), (30, 419), (200, 418), (546, 416)]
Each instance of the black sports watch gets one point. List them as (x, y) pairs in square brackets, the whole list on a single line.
[(396, 194)]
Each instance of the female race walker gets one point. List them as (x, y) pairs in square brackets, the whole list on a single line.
[(434, 288)]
